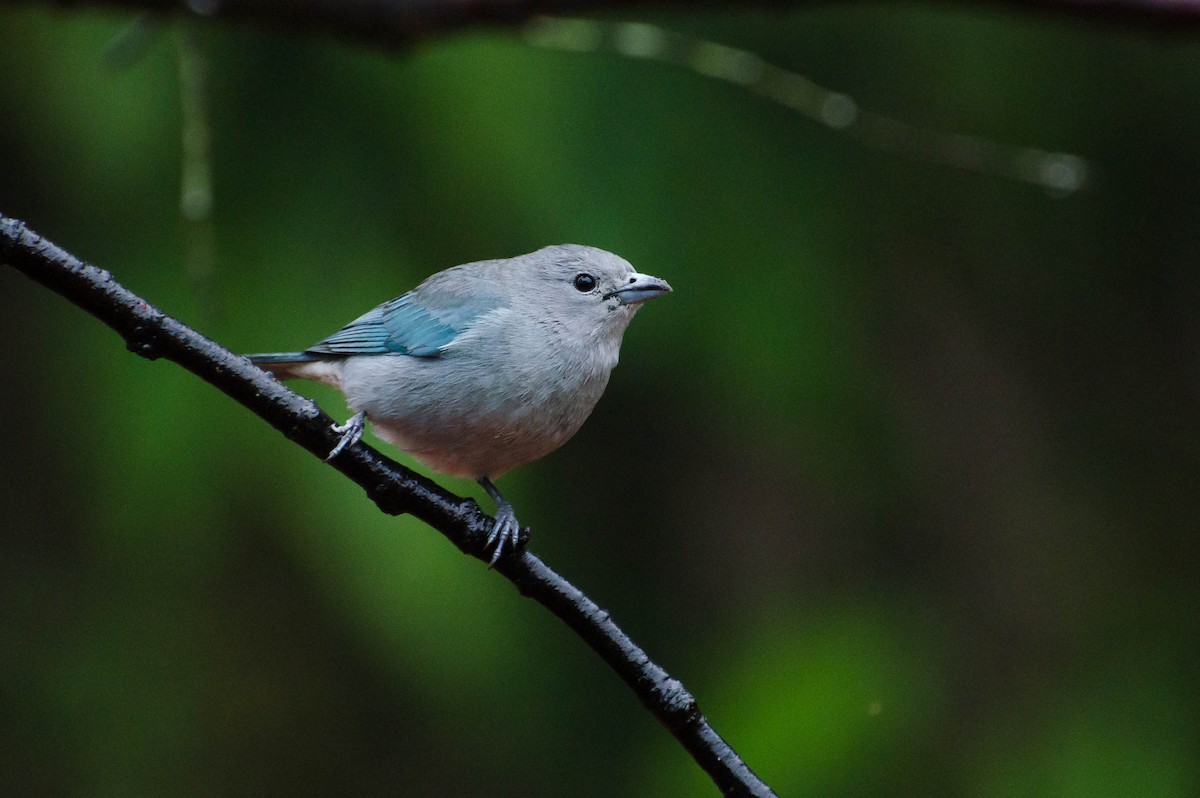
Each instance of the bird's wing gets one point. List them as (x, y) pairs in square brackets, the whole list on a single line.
[(407, 326)]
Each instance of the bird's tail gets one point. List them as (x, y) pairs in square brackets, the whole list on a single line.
[(284, 365), (282, 357)]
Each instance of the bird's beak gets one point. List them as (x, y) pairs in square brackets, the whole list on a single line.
[(639, 288)]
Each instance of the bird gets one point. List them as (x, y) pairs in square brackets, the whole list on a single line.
[(482, 367)]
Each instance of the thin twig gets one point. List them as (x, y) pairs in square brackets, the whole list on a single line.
[(196, 174), (1059, 173), (152, 334)]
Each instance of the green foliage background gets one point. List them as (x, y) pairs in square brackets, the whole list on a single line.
[(901, 481)]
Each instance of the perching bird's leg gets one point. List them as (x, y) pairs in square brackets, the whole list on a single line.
[(352, 432), (507, 528)]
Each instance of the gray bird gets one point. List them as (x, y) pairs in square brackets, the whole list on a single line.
[(483, 367)]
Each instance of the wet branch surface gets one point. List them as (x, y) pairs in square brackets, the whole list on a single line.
[(395, 489)]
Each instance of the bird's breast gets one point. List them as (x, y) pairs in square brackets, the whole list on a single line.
[(483, 409)]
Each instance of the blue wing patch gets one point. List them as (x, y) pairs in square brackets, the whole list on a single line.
[(403, 326)]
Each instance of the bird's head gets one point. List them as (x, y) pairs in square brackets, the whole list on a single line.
[(592, 292)]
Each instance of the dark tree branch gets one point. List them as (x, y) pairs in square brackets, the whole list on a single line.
[(395, 489), (402, 22)]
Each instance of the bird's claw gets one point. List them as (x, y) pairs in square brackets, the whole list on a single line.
[(506, 530), (351, 432)]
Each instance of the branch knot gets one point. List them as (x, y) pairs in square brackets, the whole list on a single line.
[(143, 341), (677, 701)]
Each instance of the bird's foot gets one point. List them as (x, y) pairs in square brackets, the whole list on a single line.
[(506, 530), (351, 432)]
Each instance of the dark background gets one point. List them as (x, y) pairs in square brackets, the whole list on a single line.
[(901, 481)]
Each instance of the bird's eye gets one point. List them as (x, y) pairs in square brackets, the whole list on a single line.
[(584, 282)]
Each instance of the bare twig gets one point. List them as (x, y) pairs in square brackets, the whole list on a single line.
[(1060, 173), (395, 489)]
